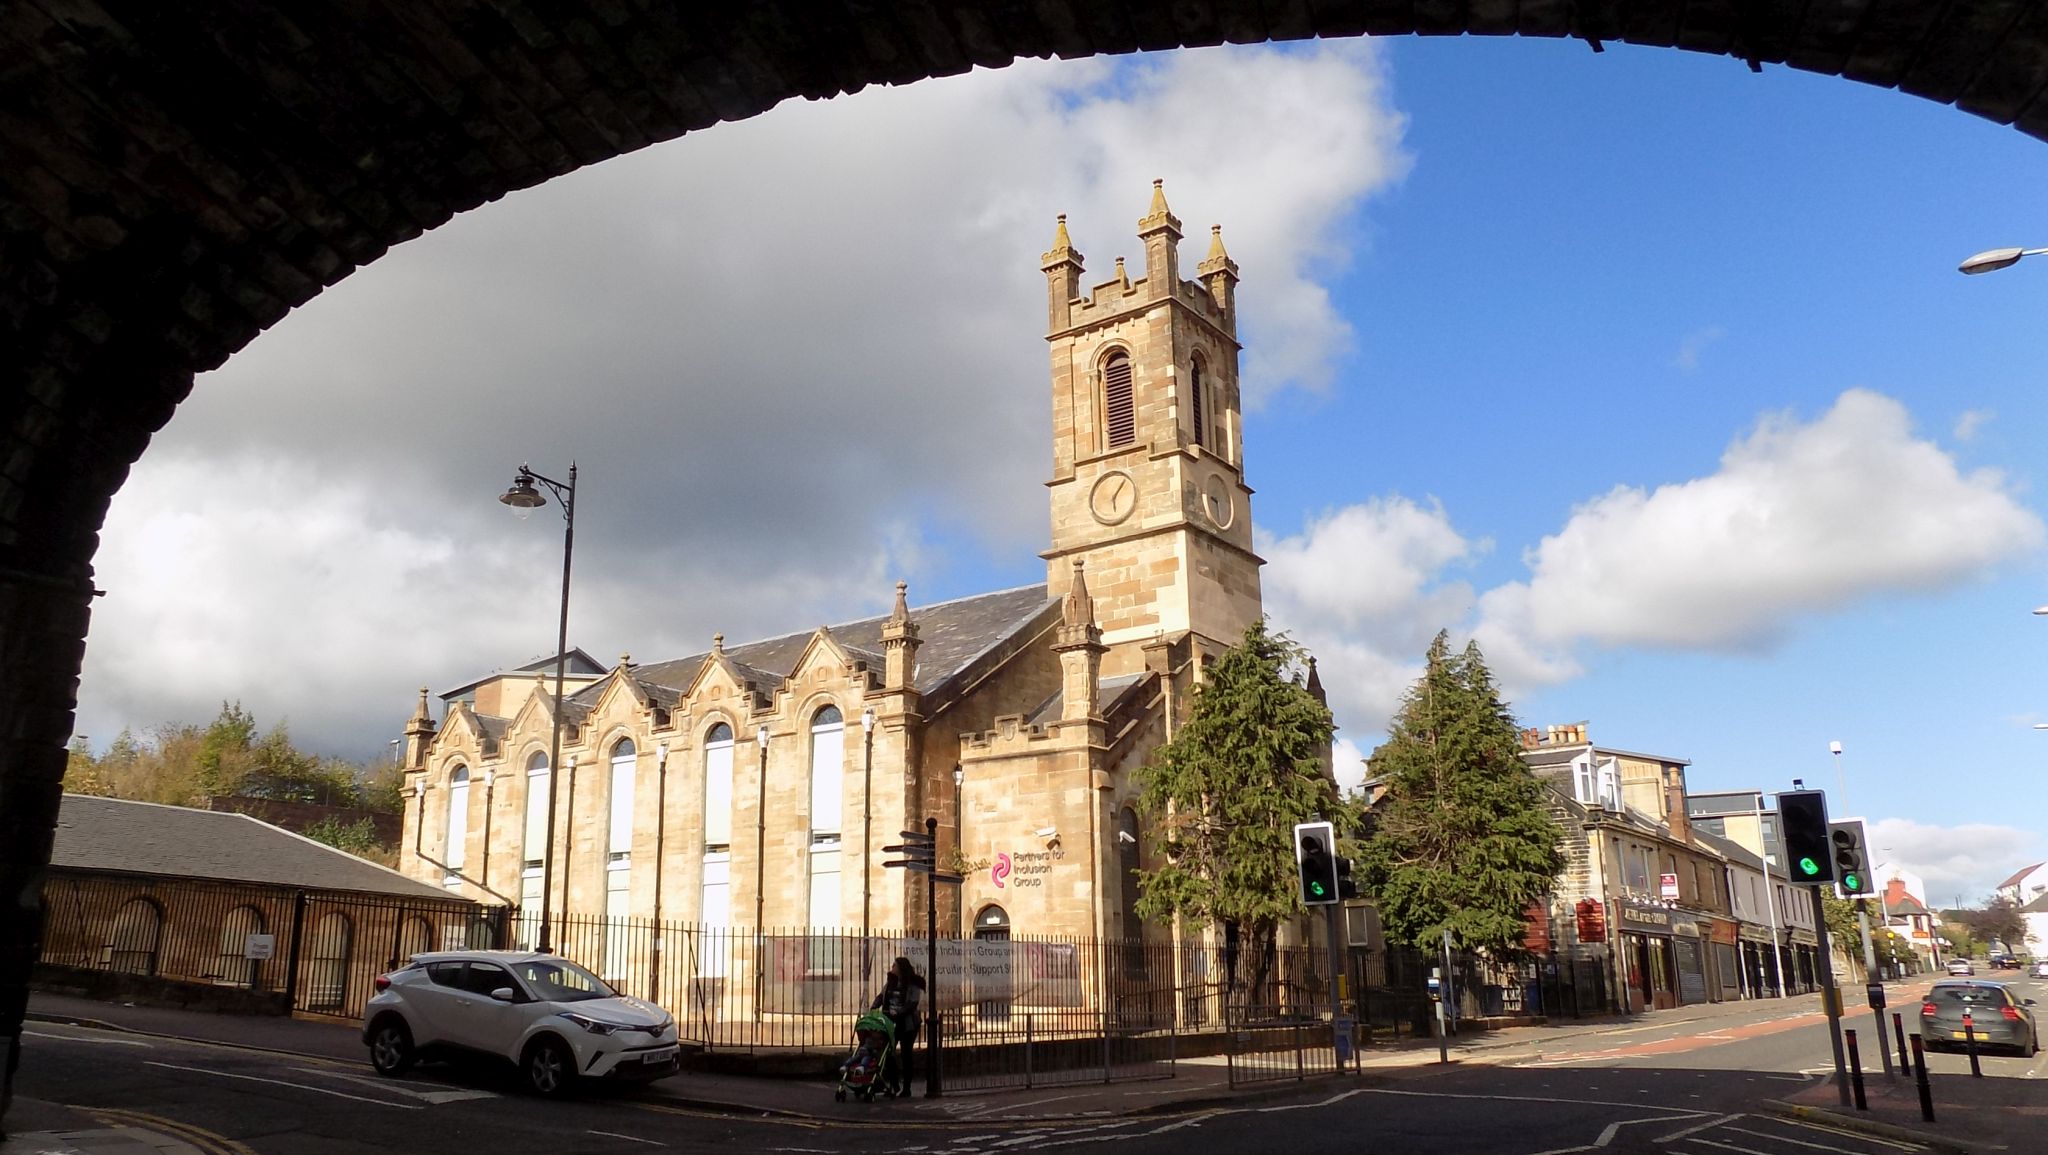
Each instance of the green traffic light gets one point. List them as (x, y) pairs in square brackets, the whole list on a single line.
[(1851, 882), (1808, 866), (1316, 888)]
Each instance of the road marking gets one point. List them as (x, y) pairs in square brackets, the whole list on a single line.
[(88, 1039), (1675, 1135), (451, 1095), (1728, 1146), (287, 1083), (652, 1143), (206, 1141), (1856, 1135), (1790, 1139)]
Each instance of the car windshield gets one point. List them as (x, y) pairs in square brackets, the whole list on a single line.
[(561, 981)]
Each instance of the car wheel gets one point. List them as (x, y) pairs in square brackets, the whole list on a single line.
[(549, 1068), (391, 1049)]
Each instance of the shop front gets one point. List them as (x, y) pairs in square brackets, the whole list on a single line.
[(1648, 953), (1689, 954)]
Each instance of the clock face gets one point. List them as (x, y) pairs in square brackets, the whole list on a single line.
[(1114, 497), (1218, 502)]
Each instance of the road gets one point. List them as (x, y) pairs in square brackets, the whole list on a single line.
[(1648, 1086)]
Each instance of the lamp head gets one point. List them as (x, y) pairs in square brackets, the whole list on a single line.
[(1991, 260), (523, 498)]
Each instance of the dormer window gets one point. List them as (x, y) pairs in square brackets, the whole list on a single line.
[(1120, 415)]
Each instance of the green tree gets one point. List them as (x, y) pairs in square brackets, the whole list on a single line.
[(222, 758), (1462, 840), (1250, 761)]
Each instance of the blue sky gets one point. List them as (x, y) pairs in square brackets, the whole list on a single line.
[(1487, 283)]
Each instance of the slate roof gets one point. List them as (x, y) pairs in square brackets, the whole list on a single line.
[(2038, 906), (115, 834), (577, 664), (956, 637), (2020, 876), (1552, 757), (1108, 693)]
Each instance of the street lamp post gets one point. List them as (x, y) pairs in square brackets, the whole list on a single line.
[(524, 499)]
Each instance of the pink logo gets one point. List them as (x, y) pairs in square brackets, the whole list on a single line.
[(1000, 871)]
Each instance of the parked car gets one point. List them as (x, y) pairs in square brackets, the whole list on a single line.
[(1998, 1017), (2041, 969), (1961, 966), (555, 1020)]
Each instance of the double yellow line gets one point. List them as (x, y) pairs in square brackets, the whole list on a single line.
[(206, 1141)]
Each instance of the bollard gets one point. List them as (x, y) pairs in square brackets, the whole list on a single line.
[(1970, 1044), (1920, 1074), (1855, 1069), (1899, 1030)]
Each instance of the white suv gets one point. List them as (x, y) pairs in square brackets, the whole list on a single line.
[(555, 1020)]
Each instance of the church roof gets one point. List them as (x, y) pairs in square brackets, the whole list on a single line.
[(1108, 695), (958, 637)]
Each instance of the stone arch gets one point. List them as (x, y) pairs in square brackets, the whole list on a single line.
[(179, 191), (135, 937)]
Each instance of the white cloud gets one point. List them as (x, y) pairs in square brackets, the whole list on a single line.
[(1800, 518), (1971, 422), (1349, 765), (795, 358), (1363, 588), (1963, 861), (1695, 344)]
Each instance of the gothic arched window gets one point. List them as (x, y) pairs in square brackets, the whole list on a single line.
[(1197, 403)]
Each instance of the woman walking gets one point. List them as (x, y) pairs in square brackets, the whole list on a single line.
[(901, 998)]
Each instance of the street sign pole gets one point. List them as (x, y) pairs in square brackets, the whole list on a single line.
[(920, 851), (1875, 985), (1826, 966)]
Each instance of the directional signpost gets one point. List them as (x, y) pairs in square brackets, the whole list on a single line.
[(920, 851)]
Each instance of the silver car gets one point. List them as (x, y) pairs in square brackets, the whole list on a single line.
[(1955, 1011), (556, 1021)]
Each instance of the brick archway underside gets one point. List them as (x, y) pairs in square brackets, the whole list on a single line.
[(175, 177)]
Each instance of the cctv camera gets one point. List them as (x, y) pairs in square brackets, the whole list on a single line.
[(1048, 832), (1126, 836)]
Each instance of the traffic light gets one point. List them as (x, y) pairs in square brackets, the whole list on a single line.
[(1803, 827), (1315, 854), (1347, 887), (1852, 858)]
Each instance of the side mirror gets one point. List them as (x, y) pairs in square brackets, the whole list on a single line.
[(505, 995), (2030, 1002)]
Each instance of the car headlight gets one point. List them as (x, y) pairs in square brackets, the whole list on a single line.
[(594, 1026)]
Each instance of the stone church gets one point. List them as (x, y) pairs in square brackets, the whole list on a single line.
[(753, 785)]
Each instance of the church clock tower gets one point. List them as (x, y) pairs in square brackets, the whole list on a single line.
[(1148, 483)]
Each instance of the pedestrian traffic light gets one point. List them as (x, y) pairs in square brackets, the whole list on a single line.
[(1315, 854), (1803, 828), (1852, 858)]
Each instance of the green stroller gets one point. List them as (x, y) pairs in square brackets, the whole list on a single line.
[(862, 1072)]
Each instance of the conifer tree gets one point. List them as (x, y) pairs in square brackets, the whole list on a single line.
[(1462, 839), (1248, 763)]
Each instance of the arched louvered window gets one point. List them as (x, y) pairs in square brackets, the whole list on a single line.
[(1198, 407), (1119, 414)]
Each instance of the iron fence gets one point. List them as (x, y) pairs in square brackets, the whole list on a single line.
[(321, 949), (1279, 1052)]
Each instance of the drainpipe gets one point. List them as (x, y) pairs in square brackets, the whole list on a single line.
[(660, 863)]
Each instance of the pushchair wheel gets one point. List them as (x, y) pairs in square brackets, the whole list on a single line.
[(839, 1095), (867, 1094)]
